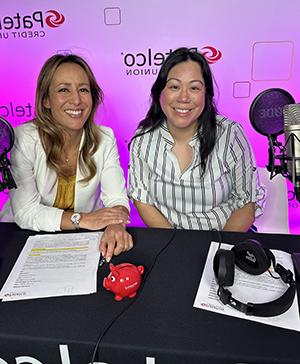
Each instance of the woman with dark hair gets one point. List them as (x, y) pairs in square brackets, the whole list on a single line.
[(65, 166), (189, 167)]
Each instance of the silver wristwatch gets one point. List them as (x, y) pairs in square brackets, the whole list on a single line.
[(75, 219)]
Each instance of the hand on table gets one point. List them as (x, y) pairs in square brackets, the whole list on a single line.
[(101, 218), (114, 241)]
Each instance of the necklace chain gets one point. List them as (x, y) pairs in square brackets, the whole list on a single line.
[(67, 158)]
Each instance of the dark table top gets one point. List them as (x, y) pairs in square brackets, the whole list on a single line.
[(160, 323)]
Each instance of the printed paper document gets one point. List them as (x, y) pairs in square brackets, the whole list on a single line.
[(248, 288), (54, 265)]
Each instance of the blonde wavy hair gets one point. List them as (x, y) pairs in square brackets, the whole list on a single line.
[(51, 133)]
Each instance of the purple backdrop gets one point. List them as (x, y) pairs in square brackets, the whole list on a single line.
[(250, 47)]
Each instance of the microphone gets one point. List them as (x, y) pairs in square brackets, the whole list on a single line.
[(273, 112), (7, 138), (291, 115)]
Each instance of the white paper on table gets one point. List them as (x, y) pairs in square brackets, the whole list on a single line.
[(54, 265), (248, 288)]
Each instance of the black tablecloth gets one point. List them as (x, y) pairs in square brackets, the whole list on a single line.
[(160, 326)]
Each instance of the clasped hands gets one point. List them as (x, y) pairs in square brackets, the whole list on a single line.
[(115, 238)]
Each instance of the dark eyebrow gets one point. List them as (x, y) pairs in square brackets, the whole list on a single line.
[(69, 84), (202, 83), (176, 79), (173, 79)]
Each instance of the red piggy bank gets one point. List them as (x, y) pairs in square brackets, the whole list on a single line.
[(123, 280)]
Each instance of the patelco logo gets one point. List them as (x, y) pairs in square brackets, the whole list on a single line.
[(32, 25), (64, 358), (55, 19), (211, 54), (16, 112), (148, 62)]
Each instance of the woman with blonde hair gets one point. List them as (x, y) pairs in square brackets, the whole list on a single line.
[(65, 166)]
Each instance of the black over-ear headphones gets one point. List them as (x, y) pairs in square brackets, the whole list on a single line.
[(253, 258)]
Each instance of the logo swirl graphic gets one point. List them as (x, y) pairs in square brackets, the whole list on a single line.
[(211, 54), (55, 19)]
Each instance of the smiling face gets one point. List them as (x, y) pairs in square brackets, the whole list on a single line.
[(69, 99), (183, 98)]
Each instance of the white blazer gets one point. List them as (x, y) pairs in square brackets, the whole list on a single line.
[(32, 201)]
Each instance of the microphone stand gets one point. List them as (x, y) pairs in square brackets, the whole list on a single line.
[(7, 178), (272, 167), (282, 157)]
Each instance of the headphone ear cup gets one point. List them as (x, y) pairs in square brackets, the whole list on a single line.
[(224, 267), (252, 257)]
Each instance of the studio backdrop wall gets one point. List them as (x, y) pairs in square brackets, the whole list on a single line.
[(250, 45)]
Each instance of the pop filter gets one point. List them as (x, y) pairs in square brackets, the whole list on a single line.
[(7, 138), (266, 111)]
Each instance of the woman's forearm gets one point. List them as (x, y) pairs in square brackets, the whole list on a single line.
[(151, 216), (241, 219)]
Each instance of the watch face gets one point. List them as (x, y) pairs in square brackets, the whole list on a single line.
[(75, 218)]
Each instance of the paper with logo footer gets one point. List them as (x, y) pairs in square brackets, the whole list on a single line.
[(248, 288), (54, 265)]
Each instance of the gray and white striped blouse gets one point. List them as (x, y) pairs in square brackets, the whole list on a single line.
[(187, 199)]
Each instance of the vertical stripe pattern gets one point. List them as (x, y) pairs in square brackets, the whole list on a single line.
[(187, 199)]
